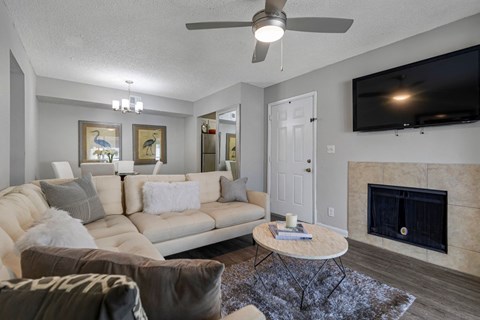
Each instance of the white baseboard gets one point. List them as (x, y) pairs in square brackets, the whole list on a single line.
[(337, 230)]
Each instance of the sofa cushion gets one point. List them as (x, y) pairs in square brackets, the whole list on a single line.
[(232, 213), (209, 184), (78, 197), (86, 296), (18, 210), (110, 226), (161, 197), (56, 228), (133, 186), (132, 242), (172, 289), (109, 190), (233, 190), (172, 225)]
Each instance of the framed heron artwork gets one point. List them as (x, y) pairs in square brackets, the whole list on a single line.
[(149, 144), (231, 147), (99, 141)]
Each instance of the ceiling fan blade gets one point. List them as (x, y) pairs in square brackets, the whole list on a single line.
[(323, 25), (260, 52), (274, 5), (217, 25)]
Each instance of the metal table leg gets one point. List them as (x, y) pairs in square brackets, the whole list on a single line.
[(303, 287)]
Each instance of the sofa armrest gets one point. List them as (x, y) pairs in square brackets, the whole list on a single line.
[(246, 313), (260, 199)]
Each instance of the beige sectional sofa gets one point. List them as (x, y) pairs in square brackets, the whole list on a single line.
[(125, 228)]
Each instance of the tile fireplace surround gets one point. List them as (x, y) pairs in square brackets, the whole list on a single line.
[(462, 181)]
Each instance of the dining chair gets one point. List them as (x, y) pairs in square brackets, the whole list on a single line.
[(62, 170), (98, 169), (157, 167), (125, 166)]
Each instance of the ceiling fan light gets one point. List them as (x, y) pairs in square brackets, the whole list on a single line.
[(269, 33)]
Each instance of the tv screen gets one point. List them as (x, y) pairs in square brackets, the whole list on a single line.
[(436, 91)]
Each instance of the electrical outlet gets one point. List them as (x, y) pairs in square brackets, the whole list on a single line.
[(331, 148), (331, 212)]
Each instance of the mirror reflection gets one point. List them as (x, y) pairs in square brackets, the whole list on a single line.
[(228, 145)]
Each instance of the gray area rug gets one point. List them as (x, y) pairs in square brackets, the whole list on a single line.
[(358, 296)]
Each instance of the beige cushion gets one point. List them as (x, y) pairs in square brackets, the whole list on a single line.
[(109, 190), (172, 225), (19, 207), (132, 242), (232, 213), (110, 226), (209, 184), (134, 189)]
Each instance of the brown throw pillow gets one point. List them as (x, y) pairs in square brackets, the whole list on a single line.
[(78, 197), (233, 190), (85, 296), (172, 289)]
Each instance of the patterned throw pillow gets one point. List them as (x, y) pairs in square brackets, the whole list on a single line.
[(233, 190), (77, 197), (82, 296)]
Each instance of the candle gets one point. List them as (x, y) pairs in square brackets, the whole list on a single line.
[(291, 220)]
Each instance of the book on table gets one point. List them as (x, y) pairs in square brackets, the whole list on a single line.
[(281, 232)]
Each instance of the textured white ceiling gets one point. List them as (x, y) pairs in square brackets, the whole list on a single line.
[(105, 42)]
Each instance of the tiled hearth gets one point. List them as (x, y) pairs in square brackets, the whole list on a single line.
[(462, 181)]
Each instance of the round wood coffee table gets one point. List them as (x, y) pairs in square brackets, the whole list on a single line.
[(325, 245)]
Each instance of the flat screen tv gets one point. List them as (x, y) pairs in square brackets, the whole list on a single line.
[(436, 91)]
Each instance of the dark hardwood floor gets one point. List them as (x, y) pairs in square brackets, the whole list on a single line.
[(440, 293)]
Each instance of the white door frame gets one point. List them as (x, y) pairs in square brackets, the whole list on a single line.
[(314, 160)]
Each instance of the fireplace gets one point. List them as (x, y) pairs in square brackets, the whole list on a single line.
[(411, 215)]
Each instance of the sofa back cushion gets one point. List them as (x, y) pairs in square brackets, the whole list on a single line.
[(85, 296), (169, 289), (109, 190), (209, 184), (134, 189), (19, 208)]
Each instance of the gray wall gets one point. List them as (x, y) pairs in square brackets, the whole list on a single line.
[(58, 136), (448, 144), (9, 41), (252, 135)]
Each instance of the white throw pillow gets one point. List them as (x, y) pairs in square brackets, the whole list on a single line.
[(56, 229), (161, 197)]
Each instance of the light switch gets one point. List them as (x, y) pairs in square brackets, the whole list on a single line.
[(331, 148), (331, 212)]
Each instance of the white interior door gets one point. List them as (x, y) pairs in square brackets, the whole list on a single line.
[(291, 142)]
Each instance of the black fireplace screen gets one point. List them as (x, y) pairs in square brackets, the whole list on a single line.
[(412, 215)]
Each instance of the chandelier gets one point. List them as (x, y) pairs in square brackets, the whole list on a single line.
[(132, 104)]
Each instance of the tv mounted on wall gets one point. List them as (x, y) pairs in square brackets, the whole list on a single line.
[(436, 91)]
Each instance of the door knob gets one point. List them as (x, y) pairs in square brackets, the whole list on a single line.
[(308, 170), (309, 160)]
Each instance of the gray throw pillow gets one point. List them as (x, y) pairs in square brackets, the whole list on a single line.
[(77, 197), (233, 190)]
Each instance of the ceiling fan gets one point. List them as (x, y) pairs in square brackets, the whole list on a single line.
[(270, 24)]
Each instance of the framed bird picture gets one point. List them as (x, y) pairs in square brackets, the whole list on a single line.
[(99, 141), (149, 144)]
